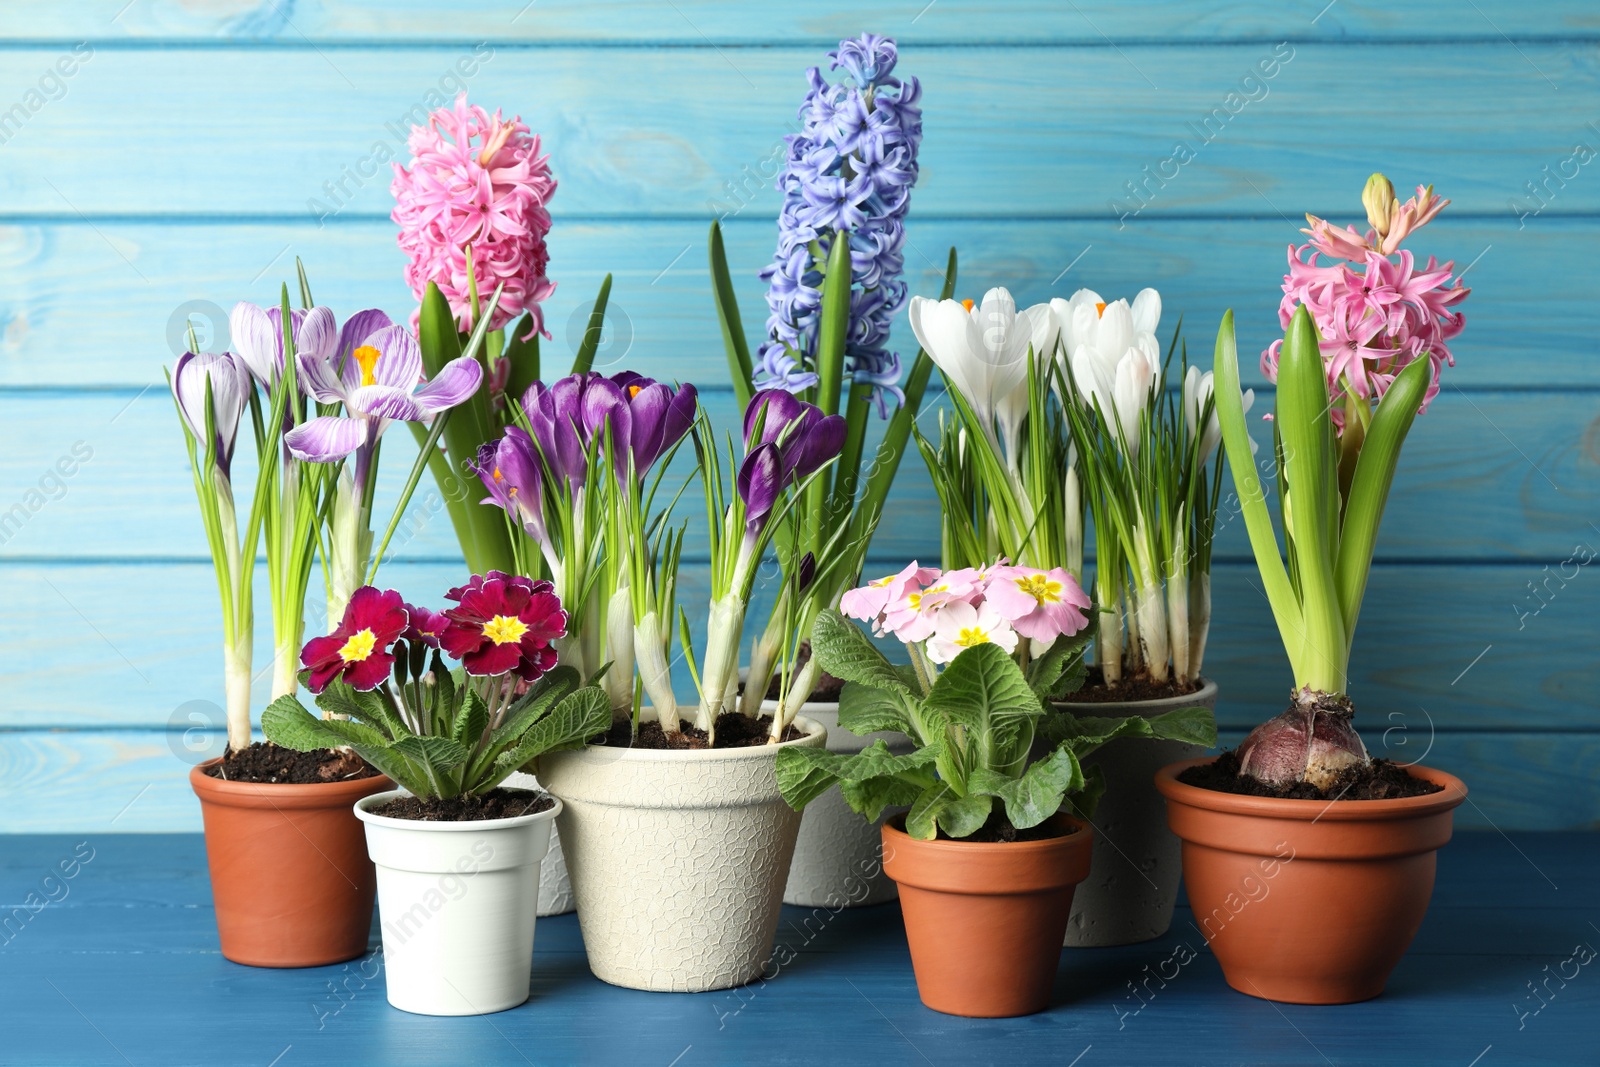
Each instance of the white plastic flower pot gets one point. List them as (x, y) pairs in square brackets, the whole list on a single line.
[(677, 859), (1133, 878), (457, 903), (838, 855), (555, 887)]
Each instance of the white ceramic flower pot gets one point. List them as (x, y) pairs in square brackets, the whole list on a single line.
[(457, 904), (555, 888), (838, 855), (1133, 878), (677, 859)]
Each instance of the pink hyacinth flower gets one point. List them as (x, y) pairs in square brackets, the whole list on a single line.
[(1039, 604), (476, 182)]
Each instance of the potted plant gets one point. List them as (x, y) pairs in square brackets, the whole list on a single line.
[(290, 879), (834, 287), (457, 856), (677, 838), (461, 156), (1058, 405), (985, 858), (1344, 844)]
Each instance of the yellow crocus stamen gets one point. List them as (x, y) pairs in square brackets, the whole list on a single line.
[(359, 646), (1099, 308), (366, 358), (505, 629), (967, 304), (633, 391), (1041, 587)]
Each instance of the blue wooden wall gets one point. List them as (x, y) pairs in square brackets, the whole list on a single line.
[(198, 146)]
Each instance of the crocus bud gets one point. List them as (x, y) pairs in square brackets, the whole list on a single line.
[(1313, 742), (807, 572), (1378, 198)]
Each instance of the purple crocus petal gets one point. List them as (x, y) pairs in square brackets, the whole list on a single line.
[(352, 335), (626, 378), (326, 438), (781, 409), (230, 385), (510, 471), (256, 341), (455, 382), (399, 362), (317, 333), (808, 450), (319, 380), (386, 402), (647, 410), (760, 482)]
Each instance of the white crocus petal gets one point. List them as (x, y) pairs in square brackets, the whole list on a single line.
[(1093, 379), (948, 333), (1147, 311), (1032, 331), (256, 341), (1066, 315), (1132, 394)]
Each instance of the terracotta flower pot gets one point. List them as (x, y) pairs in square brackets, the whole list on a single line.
[(290, 875), (1308, 901), (985, 921), (1130, 896)]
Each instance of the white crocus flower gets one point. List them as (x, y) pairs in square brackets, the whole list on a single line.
[(1197, 391), (1115, 357), (982, 351)]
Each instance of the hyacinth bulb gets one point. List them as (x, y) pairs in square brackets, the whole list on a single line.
[(1314, 741)]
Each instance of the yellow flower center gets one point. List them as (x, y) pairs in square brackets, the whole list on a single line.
[(967, 304), (633, 391), (1041, 587), (879, 583), (366, 357), (916, 598), (971, 635), (359, 646), (505, 629), (1099, 308)]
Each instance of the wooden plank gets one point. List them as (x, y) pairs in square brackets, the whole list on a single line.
[(722, 22), (1507, 475), (1446, 1002), (148, 277), (710, 114)]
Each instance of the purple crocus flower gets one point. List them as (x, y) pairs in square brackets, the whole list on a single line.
[(658, 417), (568, 415), (848, 175), (230, 385), (258, 336), (794, 440), (510, 470), (377, 384)]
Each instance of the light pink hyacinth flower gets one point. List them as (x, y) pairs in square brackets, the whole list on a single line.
[(476, 181)]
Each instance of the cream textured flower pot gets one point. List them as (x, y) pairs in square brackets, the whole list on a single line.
[(838, 856), (555, 887), (1133, 879), (457, 903), (677, 859)]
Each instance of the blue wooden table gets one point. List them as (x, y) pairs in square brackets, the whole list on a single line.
[(121, 967)]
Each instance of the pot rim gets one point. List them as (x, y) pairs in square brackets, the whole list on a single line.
[(462, 826), (895, 825), (1454, 792), (279, 794), (685, 755), (1208, 688)]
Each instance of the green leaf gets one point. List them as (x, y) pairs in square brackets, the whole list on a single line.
[(1037, 795), (522, 352), (440, 753), (870, 797), (963, 816), (1247, 486), (846, 653), (471, 719), (591, 334), (554, 686), (1051, 674), (984, 690), (804, 774), (570, 724), (286, 722), (922, 821), (727, 303), (367, 707), (864, 710), (1084, 802), (1195, 726), (1369, 489)]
